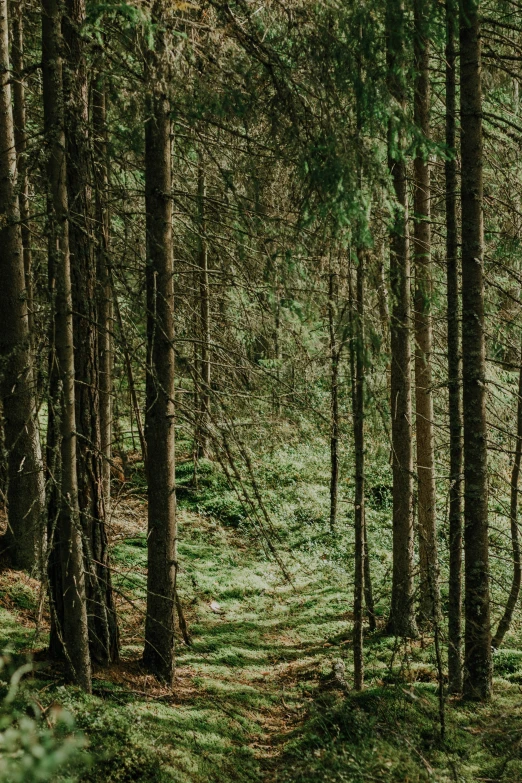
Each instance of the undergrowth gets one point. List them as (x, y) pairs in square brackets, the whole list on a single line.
[(254, 698)]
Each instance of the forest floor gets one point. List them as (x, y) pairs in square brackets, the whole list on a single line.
[(256, 696)]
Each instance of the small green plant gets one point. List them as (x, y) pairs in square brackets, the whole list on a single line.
[(507, 661), (30, 752)]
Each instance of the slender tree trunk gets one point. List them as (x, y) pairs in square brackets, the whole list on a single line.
[(277, 345), (105, 315), (69, 631), (505, 621), (25, 493), (158, 655), (429, 599), (204, 317), (334, 401), (402, 616), (454, 365), (103, 633), (368, 589), (17, 56), (357, 368), (382, 298), (130, 374), (477, 664)]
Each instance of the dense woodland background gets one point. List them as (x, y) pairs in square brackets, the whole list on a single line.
[(261, 390)]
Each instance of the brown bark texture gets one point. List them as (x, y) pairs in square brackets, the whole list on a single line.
[(69, 627), (454, 365), (158, 654), (104, 291), (402, 618), (334, 398), (25, 493), (19, 115), (505, 620), (203, 391), (426, 494), (357, 366), (103, 632), (477, 641)]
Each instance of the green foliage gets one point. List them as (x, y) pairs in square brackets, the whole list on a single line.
[(123, 755), (507, 662), (205, 488), (30, 752)]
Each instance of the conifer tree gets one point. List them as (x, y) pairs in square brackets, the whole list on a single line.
[(477, 661)]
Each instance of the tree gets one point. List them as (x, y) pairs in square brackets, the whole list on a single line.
[(477, 661), (20, 134), (454, 365), (426, 495), (203, 338), (158, 655), (103, 632), (402, 618), (25, 491), (335, 358), (104, 302), (69, 627), (505, 620), (357, 368)]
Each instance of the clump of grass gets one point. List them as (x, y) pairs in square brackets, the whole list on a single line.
[(204, 488)]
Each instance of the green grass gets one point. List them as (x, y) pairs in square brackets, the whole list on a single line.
[(253, 698)]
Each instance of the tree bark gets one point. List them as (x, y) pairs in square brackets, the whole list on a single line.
[(103, 632), (429, 589), (69, 629), (105, 314), (454, 365), (477, 663), (402, 617), (25, 494), (382, 297), (158, 654), (334, 400), (17, 56), (203, 395), (357, 367), (505, 621), (368, 589)]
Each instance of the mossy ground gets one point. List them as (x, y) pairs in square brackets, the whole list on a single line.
[(254, 699)]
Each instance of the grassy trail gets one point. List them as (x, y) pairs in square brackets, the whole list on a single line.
[(235, 700), (255, 699)]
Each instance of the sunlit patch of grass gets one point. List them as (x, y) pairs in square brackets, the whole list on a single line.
[(14, 635)]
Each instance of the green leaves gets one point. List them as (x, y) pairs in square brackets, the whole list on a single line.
[(30, 753)]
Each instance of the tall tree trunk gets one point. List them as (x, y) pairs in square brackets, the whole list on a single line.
[(17, 56), (454, 365), (505, 621), (69, 630), (334, 400), (25, 494), (429, 603), (105, 315), (402, 616), (103, 633), (158, 655), (477, 663), (357, 368), (204, 319)]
